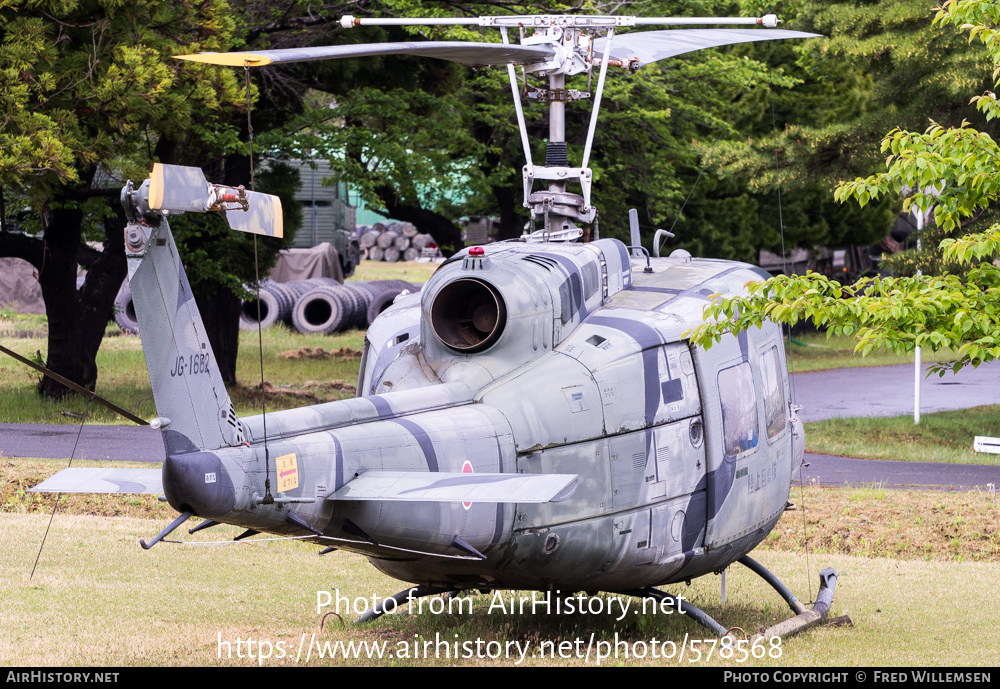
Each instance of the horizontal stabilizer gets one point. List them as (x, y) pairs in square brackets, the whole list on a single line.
[(421, 486), (455, 51), (145, 481)]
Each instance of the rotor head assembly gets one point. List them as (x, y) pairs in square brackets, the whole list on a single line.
[(552, 47)]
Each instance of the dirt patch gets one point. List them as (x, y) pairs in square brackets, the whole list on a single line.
[(21, 334), (900, 524), (271, 390), (309, 392), (329, 385), (22, 327), (343, 354)]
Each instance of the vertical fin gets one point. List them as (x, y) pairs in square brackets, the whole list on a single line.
[(187, 385)]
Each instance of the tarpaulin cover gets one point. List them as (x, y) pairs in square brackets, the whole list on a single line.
[(321, 261)]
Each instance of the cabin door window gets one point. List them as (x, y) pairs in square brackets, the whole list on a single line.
[(771, 372), (739, 409)]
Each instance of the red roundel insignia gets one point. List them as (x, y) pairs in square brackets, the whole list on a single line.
[(467, 469)]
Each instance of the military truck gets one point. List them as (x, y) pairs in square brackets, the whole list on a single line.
[(327, 215)]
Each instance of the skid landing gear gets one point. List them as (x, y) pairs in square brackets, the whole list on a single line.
[(404, 596), (685, 608), (803, 619)]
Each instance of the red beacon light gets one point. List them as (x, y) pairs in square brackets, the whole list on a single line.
[(477, 251)]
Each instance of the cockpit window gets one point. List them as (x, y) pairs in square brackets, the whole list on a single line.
[(590, 280), (570, 297), (739, 409), (774, 392)]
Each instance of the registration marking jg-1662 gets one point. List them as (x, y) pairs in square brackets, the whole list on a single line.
[(192, 365)]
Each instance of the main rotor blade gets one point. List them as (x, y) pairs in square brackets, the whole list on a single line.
[(456, 51), (643, 47)]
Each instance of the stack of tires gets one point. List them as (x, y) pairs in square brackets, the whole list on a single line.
[(125, 310), (317, 305), (321, 305)]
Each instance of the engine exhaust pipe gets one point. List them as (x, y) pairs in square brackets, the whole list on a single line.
[(468, 315)]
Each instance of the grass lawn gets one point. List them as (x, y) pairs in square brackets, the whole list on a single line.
[(411, 271), (941, 437), (298, 370), (98, 599)]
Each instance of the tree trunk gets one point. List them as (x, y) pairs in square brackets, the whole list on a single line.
[(67, 355), (105, 275), (220, 311), (77, 319), (511, 225)]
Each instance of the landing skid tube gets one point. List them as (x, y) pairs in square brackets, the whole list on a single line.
[(686, 608), (804, 617), (406, 595), (184, 516)]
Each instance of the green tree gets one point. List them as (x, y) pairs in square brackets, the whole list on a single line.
[(881, 66), (88, 97), (897, 314), (411, 134), (91, 96)]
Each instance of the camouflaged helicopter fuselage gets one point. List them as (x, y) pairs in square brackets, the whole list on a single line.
[(683, 456)]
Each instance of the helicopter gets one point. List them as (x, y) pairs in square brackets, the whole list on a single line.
[(533, 418)]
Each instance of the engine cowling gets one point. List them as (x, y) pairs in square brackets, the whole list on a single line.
[(498, 307)]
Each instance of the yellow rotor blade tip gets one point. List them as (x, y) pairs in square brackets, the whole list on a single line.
[(227, 59)]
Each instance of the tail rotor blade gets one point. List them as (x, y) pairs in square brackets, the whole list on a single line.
[(178, 188), (263, 215)]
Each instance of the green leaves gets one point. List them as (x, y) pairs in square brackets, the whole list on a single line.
[(83, 85), (893, 314), (951, 170), (973, 246)]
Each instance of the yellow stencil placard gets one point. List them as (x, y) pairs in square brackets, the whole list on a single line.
[(288, 473)]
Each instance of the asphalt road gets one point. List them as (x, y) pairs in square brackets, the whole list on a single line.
[(888, 391), (127, 443), (829, 470), (878, 391)]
